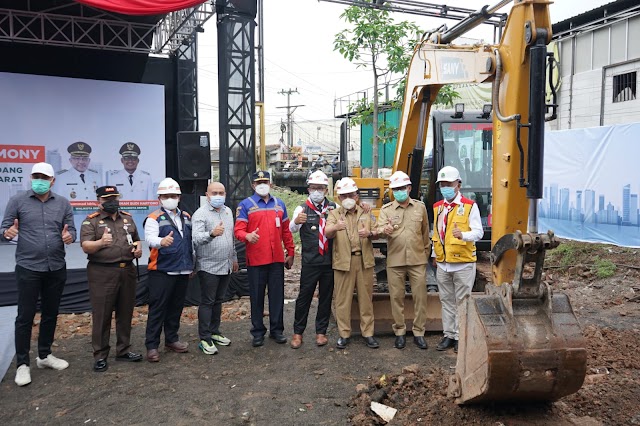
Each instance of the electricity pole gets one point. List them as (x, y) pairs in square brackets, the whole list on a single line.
[(289, 114)]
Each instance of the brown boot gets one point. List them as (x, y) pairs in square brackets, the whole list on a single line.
[(321, 339), (296, 341), (153, 355), (178, 346)]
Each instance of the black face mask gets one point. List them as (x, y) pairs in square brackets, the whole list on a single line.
[(111, 206)]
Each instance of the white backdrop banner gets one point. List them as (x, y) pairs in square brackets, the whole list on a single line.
[(591, 184), (92, 132)]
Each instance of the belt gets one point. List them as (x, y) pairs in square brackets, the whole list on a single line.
[(356, 253), (113, 264)]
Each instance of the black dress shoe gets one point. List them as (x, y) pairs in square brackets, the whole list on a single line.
[(257, 341), (445, 344), (371, 342), (342, 342), (401, 342), (455, 347), (129, 356), (420, 342), (279, 338), (100, 365)]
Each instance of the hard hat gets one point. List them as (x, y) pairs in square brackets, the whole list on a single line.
[(346, 186), (318, 178), (168, 186), (448, 174), (398, 180)]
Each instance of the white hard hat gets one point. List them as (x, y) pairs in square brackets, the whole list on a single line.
[(318, 178), (346, 186), (448, 174), (168, 186), (398, 180), (42, 168)]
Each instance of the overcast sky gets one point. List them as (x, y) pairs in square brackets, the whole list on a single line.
[(299, 55)]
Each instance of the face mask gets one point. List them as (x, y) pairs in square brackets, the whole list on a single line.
[(170, 203), (317, 196), (40, 186), (111, 206), (263, 189), (448, 192), (217, 201), (348, 203), (401, 196)]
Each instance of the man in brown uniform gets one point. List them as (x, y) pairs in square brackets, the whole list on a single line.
[(352, 230), (110, 238), (405, 223)]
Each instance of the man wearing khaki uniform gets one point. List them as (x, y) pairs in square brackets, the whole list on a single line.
[(352, 230), (404, 222)]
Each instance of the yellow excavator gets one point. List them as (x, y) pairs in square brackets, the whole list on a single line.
[(520, 340)]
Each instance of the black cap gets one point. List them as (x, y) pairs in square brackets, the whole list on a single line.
[(260, 175), (107, 191), (79, 149), (130, 149)]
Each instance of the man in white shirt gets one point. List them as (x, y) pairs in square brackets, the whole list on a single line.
[(132, 183), (79, 183)]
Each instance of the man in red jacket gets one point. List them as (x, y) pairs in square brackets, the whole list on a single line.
[(263, 225)]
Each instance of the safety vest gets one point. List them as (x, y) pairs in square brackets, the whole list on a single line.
[(453, 250), (179, 255)]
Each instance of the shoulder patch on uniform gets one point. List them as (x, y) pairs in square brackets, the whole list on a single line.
[(62, 171), (387, 205), (93, 171), (125, 213), (111, 172), (145, 173), (86, 222), (465, 200), (417, 201), (94, 214)]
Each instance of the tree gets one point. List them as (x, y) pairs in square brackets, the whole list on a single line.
[(374, 40)]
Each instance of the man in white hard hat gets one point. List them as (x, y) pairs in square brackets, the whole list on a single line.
[(404, 222), (42, 222), (168, 233), (310, 220), (352, 230), (456, 228)]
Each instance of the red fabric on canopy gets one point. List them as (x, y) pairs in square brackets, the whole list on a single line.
[(141, 7)]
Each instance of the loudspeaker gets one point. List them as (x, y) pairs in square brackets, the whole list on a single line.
[(194, 156)]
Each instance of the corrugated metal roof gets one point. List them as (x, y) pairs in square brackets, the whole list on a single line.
[(594, 15)]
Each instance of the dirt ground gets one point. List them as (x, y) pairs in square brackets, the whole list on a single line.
[(277, 385)]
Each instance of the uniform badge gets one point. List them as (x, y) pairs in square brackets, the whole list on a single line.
[(460, 211), (313, 228), (124, 220), (102, 221), (72, 194)]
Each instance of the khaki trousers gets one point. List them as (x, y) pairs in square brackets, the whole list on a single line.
[(453, 287), (417, 278), (344, 283)]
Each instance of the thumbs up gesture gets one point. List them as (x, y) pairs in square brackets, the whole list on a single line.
[(12, 232), (107, 237), (342, 224), (218, 230), (301, 218), (67, 238), (456, 231), (253, 237), (168, 240)]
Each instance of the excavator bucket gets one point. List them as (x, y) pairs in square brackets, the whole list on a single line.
[(520, 341)]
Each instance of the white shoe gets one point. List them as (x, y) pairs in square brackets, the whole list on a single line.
[(52, 362), (220, 339), (23, 375)]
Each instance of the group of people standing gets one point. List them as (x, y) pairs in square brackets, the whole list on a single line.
[(337, 258)]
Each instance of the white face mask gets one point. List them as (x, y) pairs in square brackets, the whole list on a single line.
[(263, 189), (348, 203), (170, 203), (316, 196)]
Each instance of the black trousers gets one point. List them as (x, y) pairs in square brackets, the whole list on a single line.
[(111, 289), (269, 277), (166, 300), (212, 290), (31, 285), (312, 275)]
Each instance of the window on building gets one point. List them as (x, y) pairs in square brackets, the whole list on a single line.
[(624, 87)]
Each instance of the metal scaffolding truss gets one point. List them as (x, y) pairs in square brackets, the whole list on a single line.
[(75, 25)]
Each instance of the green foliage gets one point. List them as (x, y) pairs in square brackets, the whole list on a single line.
[(446, 96), (564, 254), (604, 268), (291, 199)]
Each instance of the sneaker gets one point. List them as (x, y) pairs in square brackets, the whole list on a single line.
[(208, 348), (220, 339), (52, 362), (23, 375)]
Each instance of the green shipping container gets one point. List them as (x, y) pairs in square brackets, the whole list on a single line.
[(386, 151)]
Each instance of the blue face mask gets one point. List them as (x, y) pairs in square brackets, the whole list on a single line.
[(40, 186), (448, 192), (217, 201), (401, 196)]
